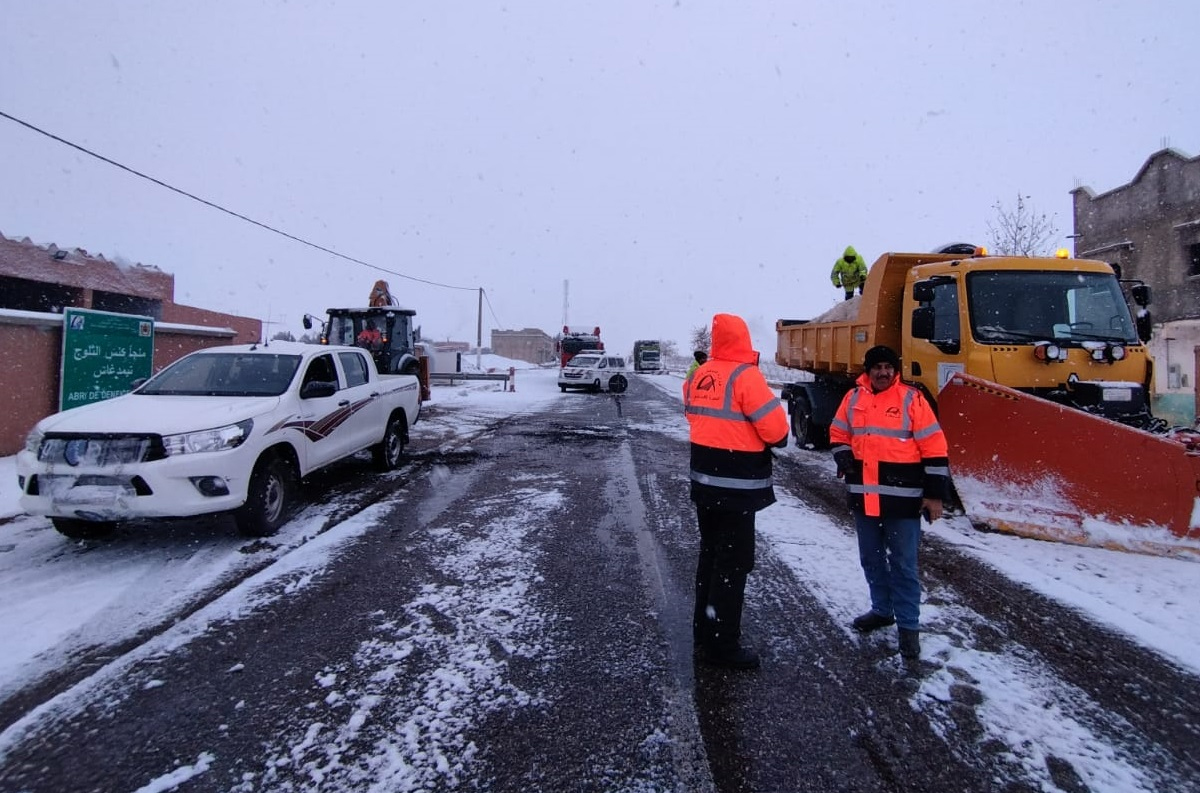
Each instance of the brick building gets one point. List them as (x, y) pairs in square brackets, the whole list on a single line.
[(38, 281), (1151, 228), (530, 344)]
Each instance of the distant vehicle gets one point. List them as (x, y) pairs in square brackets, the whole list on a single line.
[(595, 371), (223, 429), (647, 356), (576, 340)]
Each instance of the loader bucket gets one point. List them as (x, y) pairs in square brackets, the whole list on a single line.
[(1028, 466)]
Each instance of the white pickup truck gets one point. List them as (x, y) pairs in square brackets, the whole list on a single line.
[(223, 429)]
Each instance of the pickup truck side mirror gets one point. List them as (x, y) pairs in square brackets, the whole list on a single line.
[(315, 389), (1141, 294)]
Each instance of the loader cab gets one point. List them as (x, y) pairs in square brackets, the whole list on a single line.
[(387, 332)]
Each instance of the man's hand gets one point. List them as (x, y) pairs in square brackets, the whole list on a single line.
[(845, 463), (931, 508)]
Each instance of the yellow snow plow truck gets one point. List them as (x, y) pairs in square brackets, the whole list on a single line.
[(1041, 379)]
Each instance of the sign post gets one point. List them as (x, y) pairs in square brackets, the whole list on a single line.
[(102, 355)]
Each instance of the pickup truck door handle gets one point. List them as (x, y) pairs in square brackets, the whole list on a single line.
[(343, 403), (374, 394)]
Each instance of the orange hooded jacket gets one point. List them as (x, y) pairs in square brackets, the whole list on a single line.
[(899, 450), (734, 418)]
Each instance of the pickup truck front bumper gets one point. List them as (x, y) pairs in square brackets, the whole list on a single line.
[(182, 486)]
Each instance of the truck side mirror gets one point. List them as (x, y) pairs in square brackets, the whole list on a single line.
[(1141, 294), (922, 319), (1145, 325), (923, 292), (317, 389), (306, 322)]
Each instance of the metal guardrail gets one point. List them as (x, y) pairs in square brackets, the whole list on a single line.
[(452, 376)]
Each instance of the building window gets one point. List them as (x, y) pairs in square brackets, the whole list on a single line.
[(1194, 259)]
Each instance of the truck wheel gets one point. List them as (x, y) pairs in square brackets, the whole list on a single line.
[(268, 500), (387, 453), (808, 435), (617, 384), (83, 529)]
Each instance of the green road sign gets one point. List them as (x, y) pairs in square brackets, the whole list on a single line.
[(103, 353)]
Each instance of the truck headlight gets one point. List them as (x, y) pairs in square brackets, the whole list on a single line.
[(215, 440), (33, 441)]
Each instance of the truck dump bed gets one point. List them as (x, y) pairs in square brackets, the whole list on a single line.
[(836, 342)]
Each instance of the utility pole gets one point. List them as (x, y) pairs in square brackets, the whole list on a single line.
[(479, 334)]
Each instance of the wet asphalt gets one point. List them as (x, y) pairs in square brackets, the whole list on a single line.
[(601, 692)]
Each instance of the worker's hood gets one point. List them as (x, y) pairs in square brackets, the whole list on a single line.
[(849, 252), (731, 339)]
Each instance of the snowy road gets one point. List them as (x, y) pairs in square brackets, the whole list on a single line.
[(511, 611)]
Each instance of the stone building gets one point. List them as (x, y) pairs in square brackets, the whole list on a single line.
[(37, 282), (530, 344), (1151, 228)]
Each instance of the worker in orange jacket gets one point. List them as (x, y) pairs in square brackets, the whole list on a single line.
[(891, 451), (734, 418)]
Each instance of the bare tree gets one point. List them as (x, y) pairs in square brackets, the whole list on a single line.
[(701, 338), (1021, 230), (668, 349), (283, 335)]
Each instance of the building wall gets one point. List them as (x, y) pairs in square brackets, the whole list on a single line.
[(38, 281), (31, 359), (530, 344), (1151, 228)]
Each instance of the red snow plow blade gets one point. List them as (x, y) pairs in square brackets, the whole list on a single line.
[(1032, 467)]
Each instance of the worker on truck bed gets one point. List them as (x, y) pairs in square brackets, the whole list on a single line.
[(849, 272), (889, 448), (734, 419)]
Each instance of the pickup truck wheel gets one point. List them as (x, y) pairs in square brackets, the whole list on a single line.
[(808, 435), (617, 384), (268, 500), (83, 529), (387, 453), (596, 385)]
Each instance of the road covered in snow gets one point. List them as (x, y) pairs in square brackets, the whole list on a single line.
[(511, 611)]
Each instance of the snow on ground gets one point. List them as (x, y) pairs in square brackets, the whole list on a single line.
[(57, 598)]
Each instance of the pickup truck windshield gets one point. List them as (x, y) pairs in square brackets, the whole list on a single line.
[(1024, 305), (224, 374)]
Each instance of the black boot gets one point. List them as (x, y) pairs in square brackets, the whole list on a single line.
[(910, 643), (735, 657), (871, 621)]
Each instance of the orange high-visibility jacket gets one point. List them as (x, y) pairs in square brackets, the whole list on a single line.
[(734, 418), (899, 450)]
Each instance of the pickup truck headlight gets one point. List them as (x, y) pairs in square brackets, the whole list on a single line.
[(33, 441), (215, 440)]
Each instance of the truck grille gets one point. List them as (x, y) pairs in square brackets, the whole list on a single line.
[(100, 449)]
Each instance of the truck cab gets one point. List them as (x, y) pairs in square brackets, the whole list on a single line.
[(1065, 334)]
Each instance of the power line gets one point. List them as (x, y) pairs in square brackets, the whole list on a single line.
[(220, 208), (491, 310)]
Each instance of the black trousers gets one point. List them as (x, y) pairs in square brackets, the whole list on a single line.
[(726, 559)]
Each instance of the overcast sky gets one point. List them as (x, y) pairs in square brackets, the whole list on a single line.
[(669, 160)]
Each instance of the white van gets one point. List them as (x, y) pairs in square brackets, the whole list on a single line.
[(595, 370)]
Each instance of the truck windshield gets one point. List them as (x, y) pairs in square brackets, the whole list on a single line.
[(224, 374), (1010, 306)]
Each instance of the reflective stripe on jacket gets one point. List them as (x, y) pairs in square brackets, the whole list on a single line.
[(900, 454), (734, 418)]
